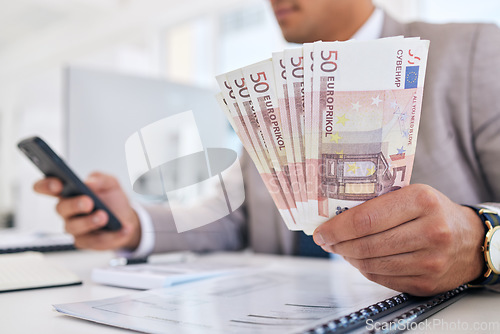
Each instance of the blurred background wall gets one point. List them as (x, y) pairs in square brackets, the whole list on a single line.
[(187, 41)]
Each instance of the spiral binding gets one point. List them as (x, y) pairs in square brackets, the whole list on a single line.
[(358, 318)]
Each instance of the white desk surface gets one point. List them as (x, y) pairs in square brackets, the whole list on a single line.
[(32, 312)]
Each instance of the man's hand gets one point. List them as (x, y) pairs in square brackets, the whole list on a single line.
[(84, 225), (414, 240)]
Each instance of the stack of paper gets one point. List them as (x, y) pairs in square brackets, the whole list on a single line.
[(30, 270)]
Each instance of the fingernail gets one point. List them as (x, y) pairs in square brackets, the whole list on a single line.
[(92, 179), (98, 219), (53, 187), (318, 239), (81, 205)]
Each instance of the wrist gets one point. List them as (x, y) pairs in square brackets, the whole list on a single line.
[(476, 237), (134, 233)]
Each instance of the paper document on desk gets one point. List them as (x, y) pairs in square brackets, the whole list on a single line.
[(277, 299), (159, 275)]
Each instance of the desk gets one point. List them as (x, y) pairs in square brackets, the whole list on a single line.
[(32, 312)]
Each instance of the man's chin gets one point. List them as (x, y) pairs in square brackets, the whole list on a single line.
[(296, 34), (296, 38), (289, 35)]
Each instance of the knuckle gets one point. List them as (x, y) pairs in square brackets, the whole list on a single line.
[(364, 249), (363, 222), (390, 242), (391, 265), (446, 234), (443, 235), (434, 265), (426, 197), (439, 233)]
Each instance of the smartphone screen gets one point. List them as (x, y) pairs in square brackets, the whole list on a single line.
[(51, 165)]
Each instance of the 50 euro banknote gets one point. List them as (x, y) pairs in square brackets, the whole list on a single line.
[(366, 102), (347, 115), (235, 101)]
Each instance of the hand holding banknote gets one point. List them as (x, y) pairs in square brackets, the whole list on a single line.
[(407, 240), (347, 117)]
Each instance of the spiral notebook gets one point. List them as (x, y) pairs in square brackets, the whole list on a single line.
[(393, 315)]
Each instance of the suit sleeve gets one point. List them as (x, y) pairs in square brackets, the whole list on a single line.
[(485, 105)]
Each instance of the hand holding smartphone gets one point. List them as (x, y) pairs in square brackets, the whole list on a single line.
[(52, 165)]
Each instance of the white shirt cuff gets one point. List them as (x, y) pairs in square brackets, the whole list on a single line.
[(147, 242), (491, 207)]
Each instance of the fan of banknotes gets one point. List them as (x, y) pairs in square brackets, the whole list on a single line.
[(329, 125)]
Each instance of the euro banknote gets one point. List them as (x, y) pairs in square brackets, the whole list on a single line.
[(247, 128), (337, 122)]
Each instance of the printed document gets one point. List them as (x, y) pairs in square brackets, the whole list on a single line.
[(278, 298)]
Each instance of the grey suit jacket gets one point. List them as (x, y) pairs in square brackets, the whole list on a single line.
[(458, 150)]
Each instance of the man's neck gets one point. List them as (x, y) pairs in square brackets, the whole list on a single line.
[(362, 13), (372, 28)]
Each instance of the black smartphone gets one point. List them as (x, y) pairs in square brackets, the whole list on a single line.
[(52, 165)]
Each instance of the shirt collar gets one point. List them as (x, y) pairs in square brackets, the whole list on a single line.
[(372, 28)]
